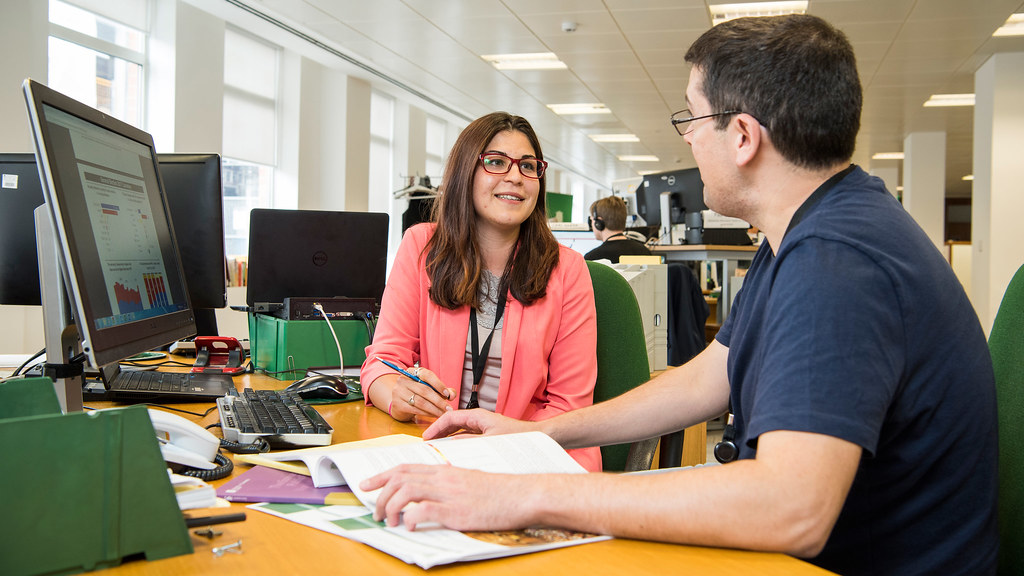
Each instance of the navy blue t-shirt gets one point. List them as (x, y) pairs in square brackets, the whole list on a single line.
[(857, 328)]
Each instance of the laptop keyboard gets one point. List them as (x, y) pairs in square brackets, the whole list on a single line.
[(154, 381), (278, 416)]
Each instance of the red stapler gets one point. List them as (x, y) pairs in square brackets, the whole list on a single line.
[(218, 355)]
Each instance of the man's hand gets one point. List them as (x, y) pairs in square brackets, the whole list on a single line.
[(476, 421), (455, 498)]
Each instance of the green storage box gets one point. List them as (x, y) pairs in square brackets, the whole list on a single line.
[(81, 491), (286, 348)]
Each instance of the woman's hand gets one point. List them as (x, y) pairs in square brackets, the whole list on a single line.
[(410, 398)]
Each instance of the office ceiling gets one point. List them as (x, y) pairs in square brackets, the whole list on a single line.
[(628, 55)]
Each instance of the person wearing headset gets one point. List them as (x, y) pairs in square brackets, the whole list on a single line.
[(483, 307), (860, 380), (608, 219)]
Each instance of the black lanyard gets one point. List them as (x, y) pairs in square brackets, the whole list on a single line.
[(480, 358)]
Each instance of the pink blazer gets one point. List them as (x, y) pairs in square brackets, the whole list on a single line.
[(549, 349)]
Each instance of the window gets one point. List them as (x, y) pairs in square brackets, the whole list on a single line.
[(98, 61), (250, 133), (435, 149)]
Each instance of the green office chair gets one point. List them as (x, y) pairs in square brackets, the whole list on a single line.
[(1006, 343), (621, 360)]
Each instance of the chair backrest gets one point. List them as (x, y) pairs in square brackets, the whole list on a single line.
[(1006, 343), (621, 348)]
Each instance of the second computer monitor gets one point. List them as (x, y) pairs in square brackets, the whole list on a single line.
[(193, 186)]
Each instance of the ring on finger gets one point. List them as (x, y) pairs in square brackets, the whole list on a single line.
[(412, 400)]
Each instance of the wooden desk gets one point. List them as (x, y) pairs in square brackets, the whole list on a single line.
[(727, 255), (274, 546)]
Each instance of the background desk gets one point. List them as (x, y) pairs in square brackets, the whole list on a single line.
[(727, 255), (274, 546)]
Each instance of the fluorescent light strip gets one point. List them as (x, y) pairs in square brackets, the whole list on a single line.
[(968, 178), (526, 61), (724, 12), (888, 156), (950, 100), (639, 158), (566, 109), (1014, 26), (614, 137)]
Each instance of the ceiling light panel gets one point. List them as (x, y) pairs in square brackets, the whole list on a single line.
[(529, 61), (950, 100), (579, 108), (1014, 26), (639, 158), (724, 12), (887, 156)]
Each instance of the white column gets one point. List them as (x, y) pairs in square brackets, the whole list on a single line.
[(23, 33), (997, 205), (889, 174), (357, 146), (924, 182), (185, 96)]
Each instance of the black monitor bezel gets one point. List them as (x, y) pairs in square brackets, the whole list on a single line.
[(107, 345), (19, 262)]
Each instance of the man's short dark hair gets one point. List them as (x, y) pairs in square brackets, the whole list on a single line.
[(796, 74)]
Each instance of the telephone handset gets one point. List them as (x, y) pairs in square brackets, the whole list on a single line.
[(188, 444), (183, 441)]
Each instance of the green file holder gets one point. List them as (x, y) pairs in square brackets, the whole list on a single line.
[(81, 491), (277, 345)]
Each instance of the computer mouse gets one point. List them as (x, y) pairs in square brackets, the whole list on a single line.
[(319, 387)]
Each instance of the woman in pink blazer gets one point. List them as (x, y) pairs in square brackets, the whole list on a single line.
[(485, 306)]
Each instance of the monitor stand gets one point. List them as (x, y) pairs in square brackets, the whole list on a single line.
[(64, 362)]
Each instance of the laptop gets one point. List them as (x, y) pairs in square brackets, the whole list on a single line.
[(311, 254), (148, 385)]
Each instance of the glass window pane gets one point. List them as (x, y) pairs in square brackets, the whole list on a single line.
[(246, 186), (96, 26), (102, 81)]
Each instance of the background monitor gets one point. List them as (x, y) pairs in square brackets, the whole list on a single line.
[(193, 186), (316, 254), (20, 195), (112, 231), (686, 196)]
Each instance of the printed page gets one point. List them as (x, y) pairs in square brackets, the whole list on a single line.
[(425, 548), (295, 460), (524, 453)]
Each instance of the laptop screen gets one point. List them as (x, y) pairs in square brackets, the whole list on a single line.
[(316, 254)]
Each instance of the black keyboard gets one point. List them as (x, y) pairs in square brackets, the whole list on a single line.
[(153, 381), (278, 416), (156, 386)]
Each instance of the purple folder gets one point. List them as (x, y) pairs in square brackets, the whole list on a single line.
[(262, 484)]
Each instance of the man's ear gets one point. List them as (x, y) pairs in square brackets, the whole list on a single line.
[(747, 138)]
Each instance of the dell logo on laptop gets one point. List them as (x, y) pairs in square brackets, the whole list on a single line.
[(319, 258)]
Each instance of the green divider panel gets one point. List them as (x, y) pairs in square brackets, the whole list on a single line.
[(82, 491)]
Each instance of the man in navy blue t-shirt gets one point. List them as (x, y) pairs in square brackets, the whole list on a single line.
[(856, 369)]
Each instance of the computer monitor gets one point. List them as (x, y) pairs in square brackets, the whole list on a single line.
[(20, 195), (193, 186), (194, 194), (112, 233), (685, 191)]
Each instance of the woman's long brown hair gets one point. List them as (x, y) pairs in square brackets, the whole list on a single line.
[(454, 260)]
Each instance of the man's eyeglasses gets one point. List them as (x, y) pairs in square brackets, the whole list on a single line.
[(497, 163), (683, 121)]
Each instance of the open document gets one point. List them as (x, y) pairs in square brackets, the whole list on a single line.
[(526, 453)]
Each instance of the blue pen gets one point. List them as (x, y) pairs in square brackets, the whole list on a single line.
[(405, 373)]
